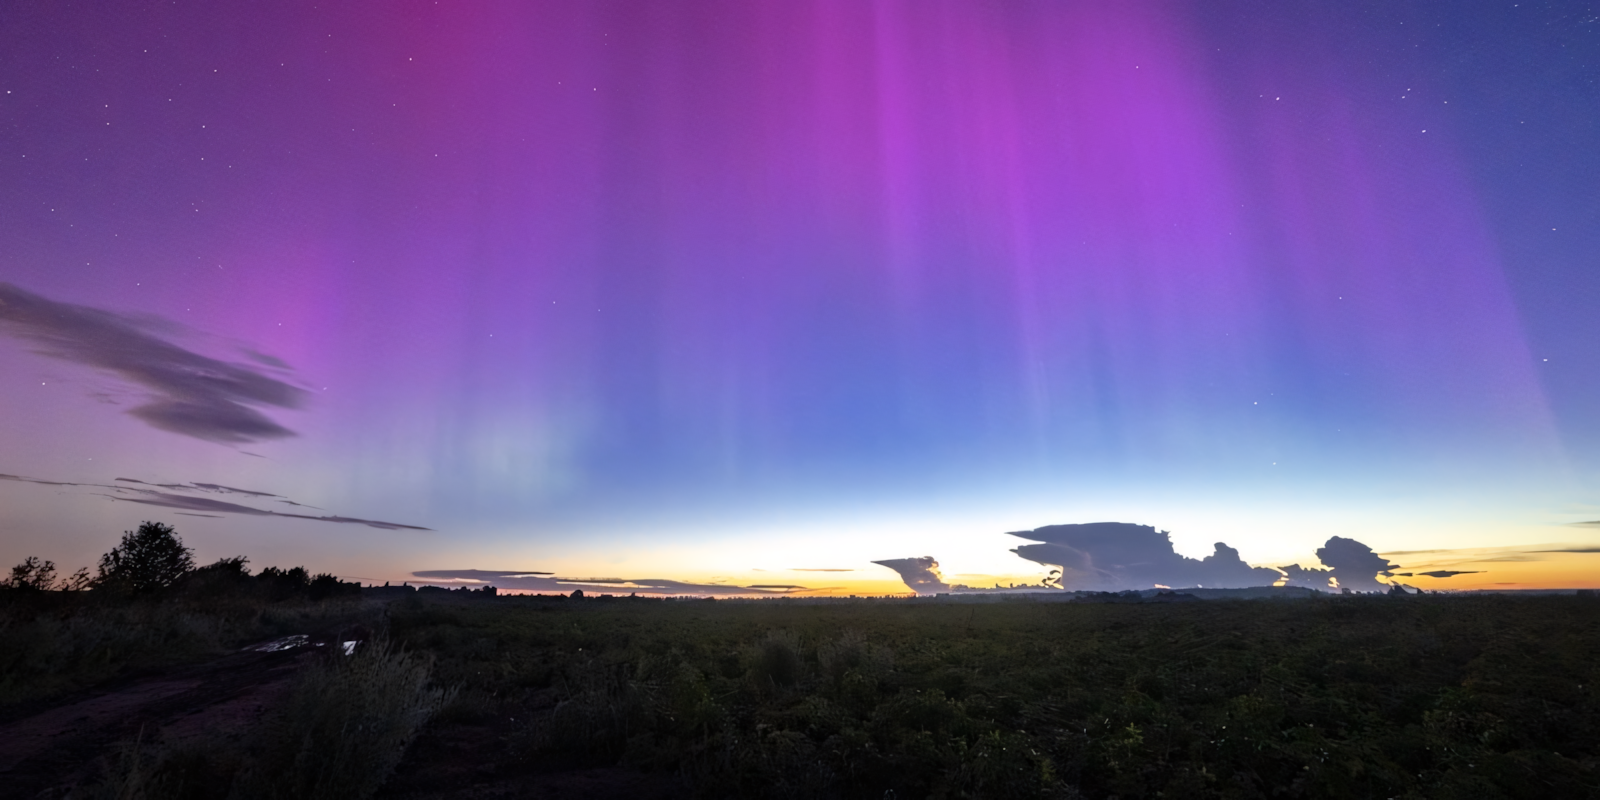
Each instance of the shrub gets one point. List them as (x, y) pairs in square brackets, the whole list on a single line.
[(324, 586), (44, 654), (137, 769), (603, 705), (345, 726), (225, 578), (776, 660)]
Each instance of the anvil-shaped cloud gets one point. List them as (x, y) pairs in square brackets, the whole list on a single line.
[(921, 574), (1109, 556)]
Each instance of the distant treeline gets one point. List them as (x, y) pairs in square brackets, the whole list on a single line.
[(153, 563)]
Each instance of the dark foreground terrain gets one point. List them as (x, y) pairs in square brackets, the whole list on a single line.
[(458, 695)]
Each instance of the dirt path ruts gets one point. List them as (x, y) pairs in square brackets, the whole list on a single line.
[(222, 697)]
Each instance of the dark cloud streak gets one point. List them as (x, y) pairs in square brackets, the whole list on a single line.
[(531, 581), (182, 503), (186, 503), (191, 394)]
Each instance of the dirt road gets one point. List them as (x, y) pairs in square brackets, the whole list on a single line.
[(45, 750)]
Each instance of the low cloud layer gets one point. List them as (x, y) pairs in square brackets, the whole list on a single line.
[(921, 574), (1349, 562), (189, 394), (188, 504), (1109, 556), (545, 582)]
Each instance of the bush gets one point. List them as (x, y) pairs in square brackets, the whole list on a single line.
[(345, 726), (775, 661), (324, 586), (170, 770), (44, 654)]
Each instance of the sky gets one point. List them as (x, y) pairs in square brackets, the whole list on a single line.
[(720, 296)]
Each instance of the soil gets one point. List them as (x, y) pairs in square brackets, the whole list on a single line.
[(44, 752), (47, 748)]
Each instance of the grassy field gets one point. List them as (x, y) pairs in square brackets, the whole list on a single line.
[(1340, 697), (473, 696)]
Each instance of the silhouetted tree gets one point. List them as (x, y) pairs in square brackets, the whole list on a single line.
[(221, 578), (148, 560), (32, 575), (233, 567), (282, 584), (325, 585)]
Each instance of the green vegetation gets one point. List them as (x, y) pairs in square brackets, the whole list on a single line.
[(147, 607), (1433, 696), (1340, 696), (338, 736)]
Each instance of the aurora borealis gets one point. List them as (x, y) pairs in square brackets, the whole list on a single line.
[(732, 292)]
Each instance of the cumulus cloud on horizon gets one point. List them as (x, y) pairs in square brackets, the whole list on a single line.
[(1349, 562), (189, 394), (1118, 556), (1111, 556)]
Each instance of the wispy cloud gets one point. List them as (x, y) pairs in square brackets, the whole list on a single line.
[(820, 569), (182, 503), (212, 487), (189, 503), (209, 487), (190, 394)]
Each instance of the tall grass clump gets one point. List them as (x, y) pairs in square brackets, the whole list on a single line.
[(45, 654), (603, 705), (142, 769), (775, 661), (345, 726)]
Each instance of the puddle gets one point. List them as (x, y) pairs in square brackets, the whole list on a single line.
[(286, 643), (299, 640)]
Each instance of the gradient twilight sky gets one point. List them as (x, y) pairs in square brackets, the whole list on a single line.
[(728, 291)]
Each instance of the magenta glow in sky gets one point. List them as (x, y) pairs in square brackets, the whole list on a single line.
[(692, 289)]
